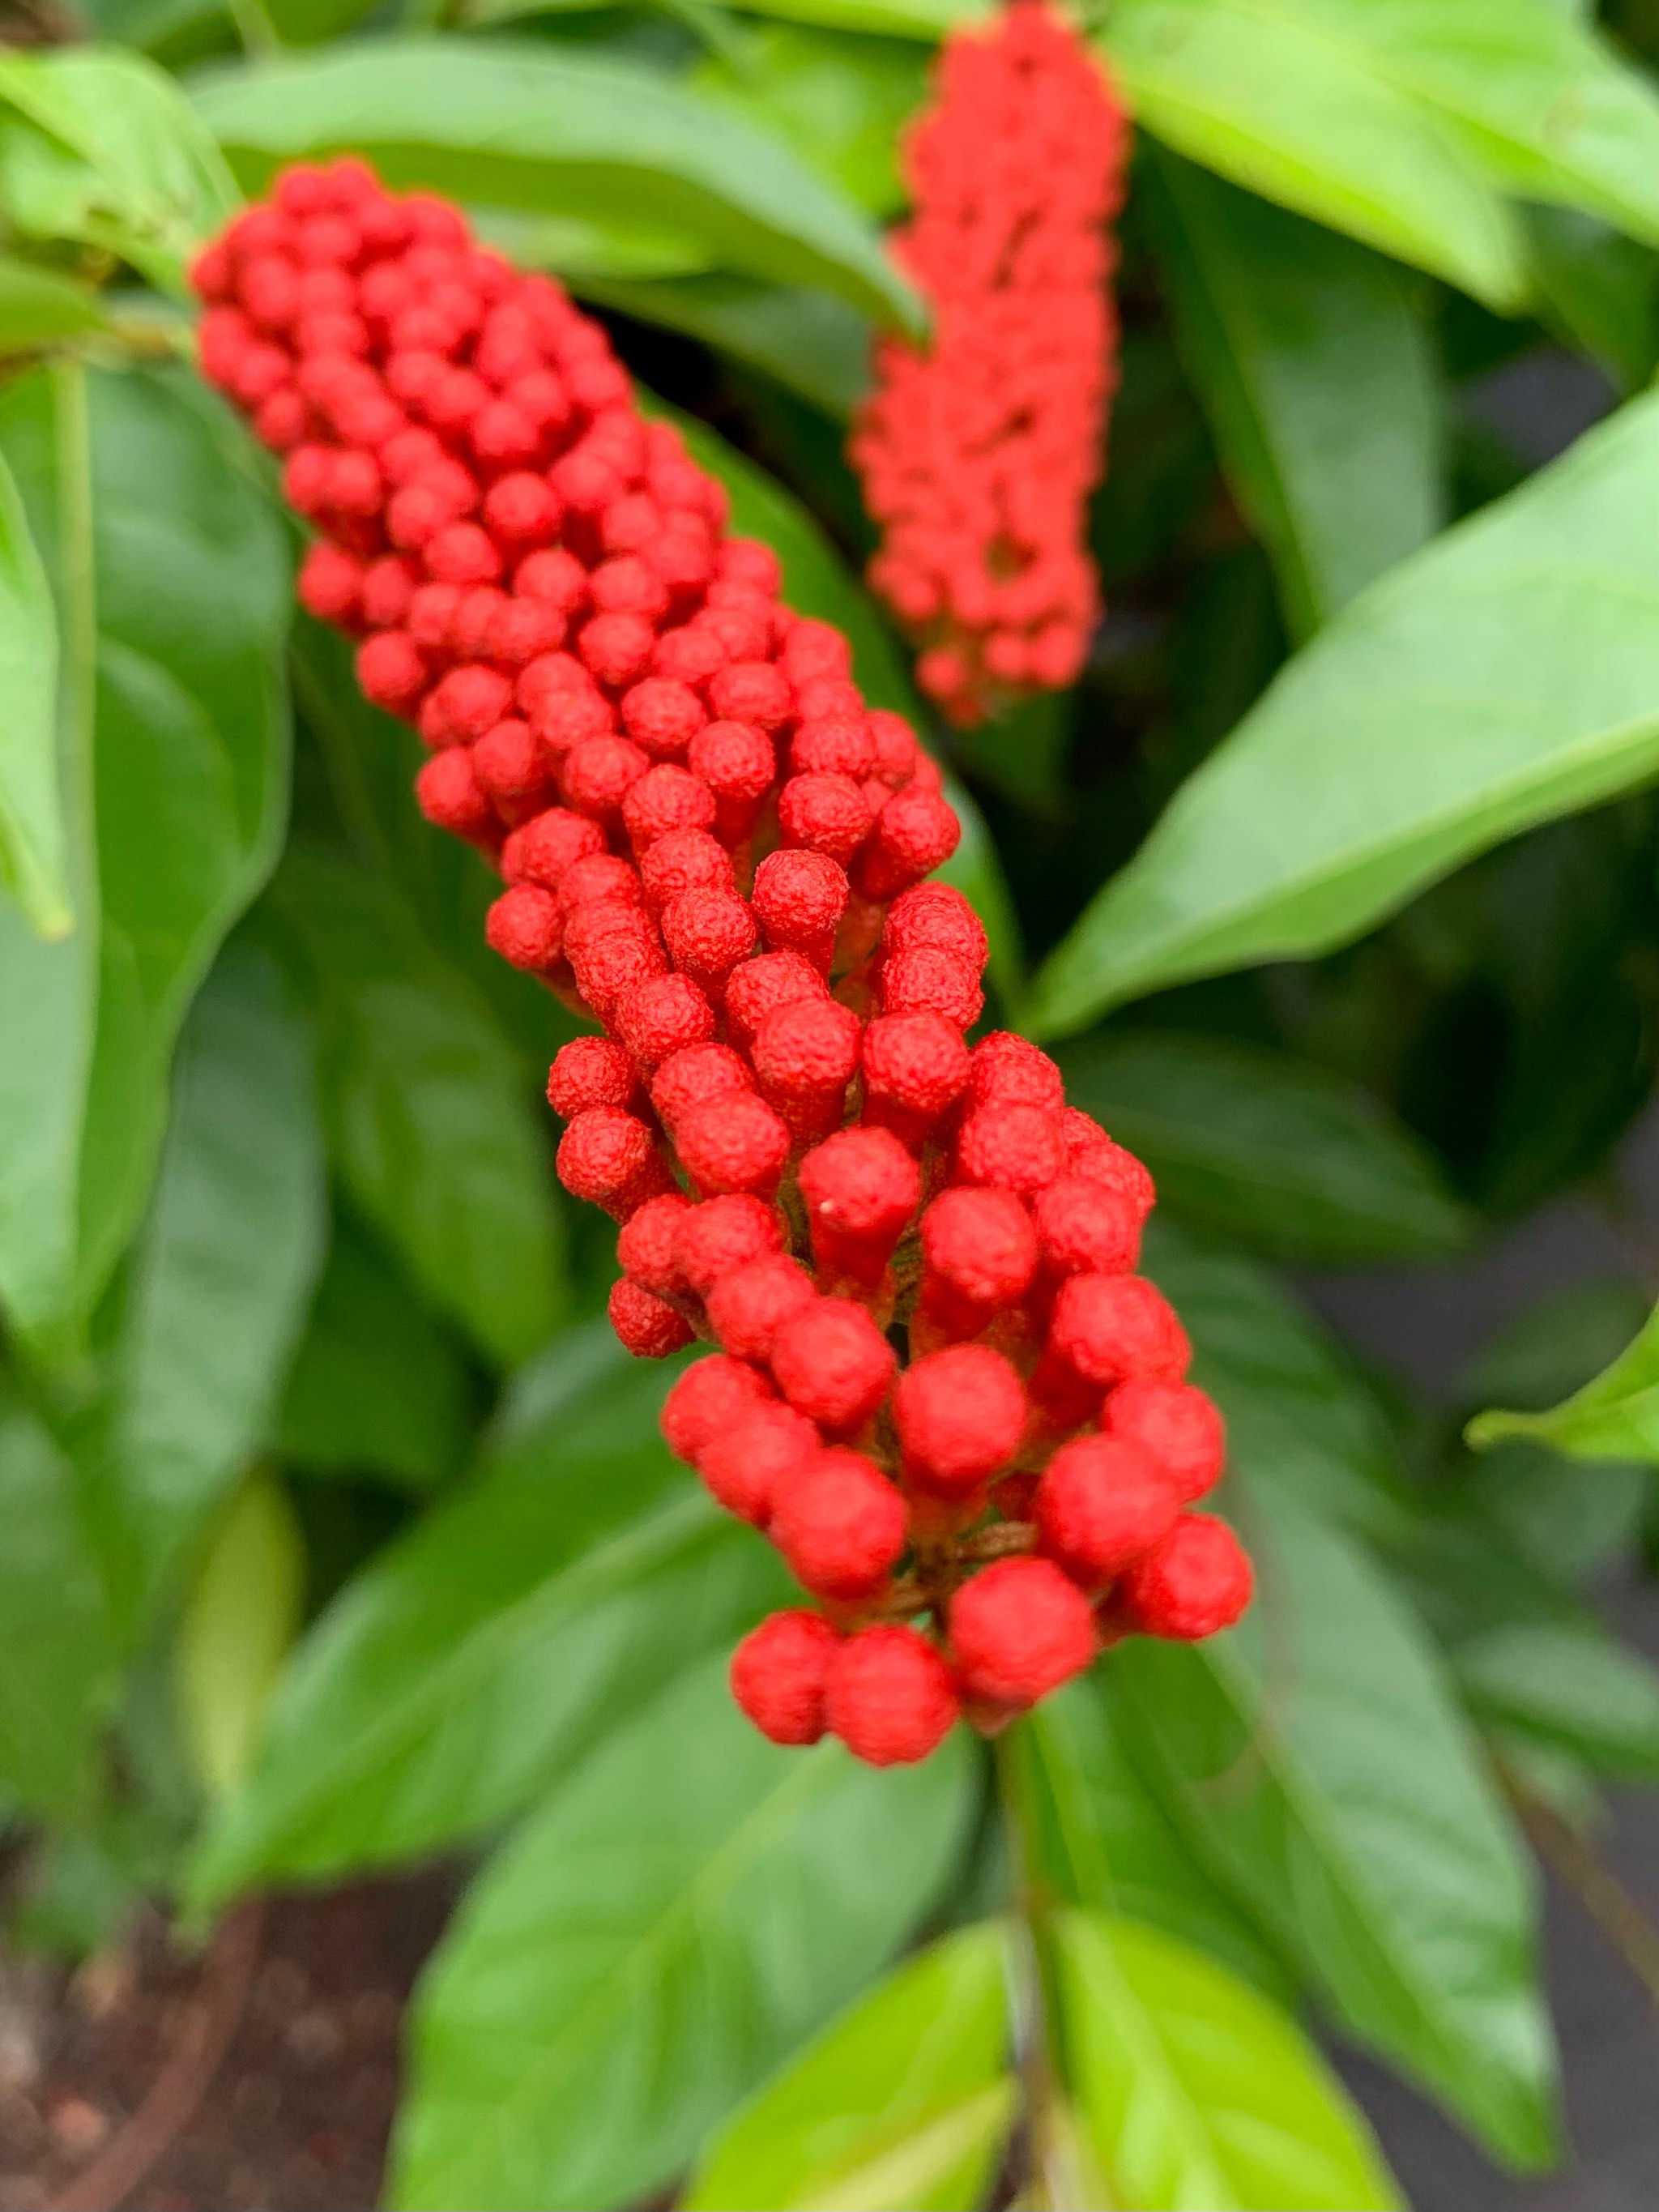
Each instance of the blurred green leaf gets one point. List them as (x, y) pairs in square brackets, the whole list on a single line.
[(812, 343), (433, 1128), (311, 23), (839, 100), (1299, 1418), (1615, 1417), (39, 307), (189, 760), (903, 2102), (1598, 291), (33, 863), (1506, 675), (613, 1985), (215, 1293), (1570, 1683), (57, 1659), (585, 247), (102, 146), (1096, 1835), (1195, 2094), (1318, 373), (238, 1623), (528, 127), (521, 1620), (1315, 1759), (899, 19), (815, 582), (1267, 1149), (376, 1385)]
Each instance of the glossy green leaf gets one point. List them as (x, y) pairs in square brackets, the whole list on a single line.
[(903, 2102), (189, 747), (1570, 1683), (552, 132), (1315, 1759), (57, 1659), (480, 1654), (1268, 1150), (810, 342), (215, 1291), (33, 866), (1300, 1418), (39, 307), (1317, 372), (1508, 674), (238, 1623), (435, 1129), (614, 1984), (1193, 2092), (376, 1387), (102, 146), (1615, 1416), (1096, 1836), (815, 582)]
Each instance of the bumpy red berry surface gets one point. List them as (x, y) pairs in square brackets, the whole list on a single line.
[(937, 1383)]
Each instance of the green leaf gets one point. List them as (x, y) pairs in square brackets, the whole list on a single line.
[(903, 2101), (1315, 1761), (815, 582), (1194, 2093), (1570, 1683), (1598, 292), (925, 20), (1615, 1416), (523, 125), (238, 1623), (810, 342), (39, 307), (102, 146), (376, 1385), (1096, 1835), (215, 1291), (1317, 372), (33, 862), (1300, 1420), (1274, 96), (481, 1653), (613, 1985), (1506, 675), (1269, 1150), (56, 1662), (434, 1130), (190, 746)]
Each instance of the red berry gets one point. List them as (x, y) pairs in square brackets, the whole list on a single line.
[(749, 1305), (937, 918), (1112, 1328), (722, 1235), (800, 898), (1085, 1228), (778, 1674), (733, 1143), (1101, 1504), (646, 1324), (525, 926), (960, 1414), (711, 1395), (924, 980), (979, 1252), (645, 1249), (1010, 1147), (1019, 1630), (889, 1697), (841, 1525), (915, 1066), (542, 848), (1011, 1071), (608, 1157), (1197, 1581), (590, 1071), (1177, 1425), (694, 1077), (833, 1364), (860, 1187), (663, 1015), (750, 1463), (754, 990)]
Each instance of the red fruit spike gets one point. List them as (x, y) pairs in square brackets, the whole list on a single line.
[(1177, 1425), (778, 1674), (916, 831), (511, 766), (450, 796), (749, 1305), (665, 800), (834, 1364), (1197, 1581), (833, 744), (645, 1249), (1018, 1629), (816, 649), (733, 1145), (978, 1256), (715, 1239), (1101, 1504), (708, 933), (391, 671), (1013, 1072), (599, 878), (1114, 1169), (738, 763), (752, 1463), (663, 716), (751, 691), (937, 918), (960, 1414), (1115, 1328), (710, 1397), (826, 814), (330, 585), (888, 1695), (597, 773), (805, 1056), (842, 1527), (645, 1325)]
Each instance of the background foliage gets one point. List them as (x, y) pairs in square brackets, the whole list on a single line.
[(338, 1533)]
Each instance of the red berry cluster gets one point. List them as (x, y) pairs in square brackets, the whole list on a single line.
[(978, 456), (711, 844)]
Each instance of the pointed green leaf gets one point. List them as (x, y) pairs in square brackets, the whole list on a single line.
[(238, 1623), (901, 2104), (538, 1607), (1615, 1416), (810, 342), (1270, 1151), (1317, 371), (216, 1289), (32, 861), (1316, 1760), (614, 1983), (529, 126), (1194, 2092), (1508, 674)]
